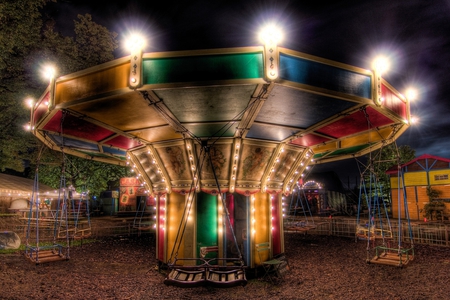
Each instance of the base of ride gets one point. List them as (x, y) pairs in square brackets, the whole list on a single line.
[(392, 256)]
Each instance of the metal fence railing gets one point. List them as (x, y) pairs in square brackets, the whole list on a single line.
[(427, 233)]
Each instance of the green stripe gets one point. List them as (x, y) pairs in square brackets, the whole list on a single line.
[(203, 68), (206, 222)]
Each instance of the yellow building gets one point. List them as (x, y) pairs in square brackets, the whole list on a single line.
[(424, 172)]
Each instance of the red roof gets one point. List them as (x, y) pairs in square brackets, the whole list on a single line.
[(424, 156)]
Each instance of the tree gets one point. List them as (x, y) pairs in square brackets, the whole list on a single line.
[(388, 157), (20, 26), (83, 174), (27, 39)]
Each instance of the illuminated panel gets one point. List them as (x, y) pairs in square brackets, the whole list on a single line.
[(114, 151), (174, 212), (93, 84), (211, 130), (161, 215), (77, 127), (327, 147), (72, 143), (203, 68), (260, 222), (309, 140), (228, 233), (393, 102), (41, 108), (123, 142), (206, 222), (273, 132), (355, 123), (324, 76), (347, 151), (366, 138), (99, 154), (275, 224)]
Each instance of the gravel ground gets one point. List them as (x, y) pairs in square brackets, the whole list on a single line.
[(321, 268)]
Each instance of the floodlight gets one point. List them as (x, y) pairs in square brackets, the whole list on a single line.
[(381, 64), (271, 34), (49, 72), (135, 42), (411, 94)]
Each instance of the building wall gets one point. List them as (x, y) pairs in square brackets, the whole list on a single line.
[(416, 183)]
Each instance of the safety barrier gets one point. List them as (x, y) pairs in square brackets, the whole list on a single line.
[(427, 233)]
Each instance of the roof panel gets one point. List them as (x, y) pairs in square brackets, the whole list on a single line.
[(309, 140), (272, 133), (358, 121), (206, 104), (125, 112), (292, 107), (76, 127), (203, 68), (325, 76)]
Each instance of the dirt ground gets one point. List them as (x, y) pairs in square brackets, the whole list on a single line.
[(321, 268)]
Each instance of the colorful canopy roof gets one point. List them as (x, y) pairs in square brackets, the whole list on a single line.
[(159, 110)]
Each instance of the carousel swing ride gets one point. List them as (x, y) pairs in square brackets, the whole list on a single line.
[(263, 113)]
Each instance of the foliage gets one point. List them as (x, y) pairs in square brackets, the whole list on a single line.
[(58, 170), (433, 207), (20, 25), (432, 194), (386, 158), (27, 41)]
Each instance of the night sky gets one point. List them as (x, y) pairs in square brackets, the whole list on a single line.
[(413, 34)]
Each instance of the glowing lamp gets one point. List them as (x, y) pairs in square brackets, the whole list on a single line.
[(29, 102), (380, 64), (49, 72), (135, 44), (271, 36), (411, 94)]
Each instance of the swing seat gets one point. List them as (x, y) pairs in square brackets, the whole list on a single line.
[(392, 257), (39, 256), (226, 278), (364, 233), (144, 226), (221, 276), (186, 277)]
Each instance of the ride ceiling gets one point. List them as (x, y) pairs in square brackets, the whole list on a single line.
[(260, 134)]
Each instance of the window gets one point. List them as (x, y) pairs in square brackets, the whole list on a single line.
[(441, 177)]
